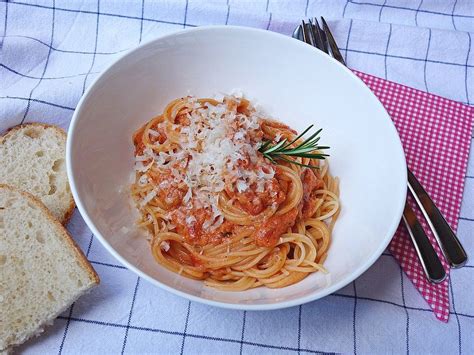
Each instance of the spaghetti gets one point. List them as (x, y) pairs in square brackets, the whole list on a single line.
[(218, 210)]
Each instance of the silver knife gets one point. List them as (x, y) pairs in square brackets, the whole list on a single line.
[(447, 240), (427, 255)]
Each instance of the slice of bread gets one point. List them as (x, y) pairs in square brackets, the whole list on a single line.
[(32, 158), (42, 270)]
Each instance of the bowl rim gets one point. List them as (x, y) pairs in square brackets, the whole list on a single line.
[(250, 307)]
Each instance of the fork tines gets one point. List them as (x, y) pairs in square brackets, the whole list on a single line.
[(314, 35), (321, 38)]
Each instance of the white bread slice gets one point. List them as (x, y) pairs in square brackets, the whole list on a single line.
[(42, 270), (32, 158)]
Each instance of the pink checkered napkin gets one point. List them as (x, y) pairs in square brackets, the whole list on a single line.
[(436, 134)]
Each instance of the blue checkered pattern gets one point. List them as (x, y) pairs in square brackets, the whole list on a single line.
[(51, 50)]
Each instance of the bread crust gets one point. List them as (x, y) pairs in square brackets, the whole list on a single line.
[(60, 133)]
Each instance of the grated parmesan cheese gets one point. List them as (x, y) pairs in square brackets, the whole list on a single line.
[(190, 220), (165, 246), (139, 166), (260, 186), (242, 186), (216, 149), (143, 180), (154, 133), (150, 196), (188, 195)]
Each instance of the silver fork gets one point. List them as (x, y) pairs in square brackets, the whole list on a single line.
[(322, 38)]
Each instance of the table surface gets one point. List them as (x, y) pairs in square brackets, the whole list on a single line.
[(51, 50)]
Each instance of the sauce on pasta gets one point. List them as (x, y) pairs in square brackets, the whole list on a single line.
[(217, 209)]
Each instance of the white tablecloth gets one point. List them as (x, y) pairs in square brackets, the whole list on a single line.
[(52, 50)]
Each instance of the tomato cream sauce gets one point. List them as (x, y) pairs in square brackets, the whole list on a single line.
[(218, 154)]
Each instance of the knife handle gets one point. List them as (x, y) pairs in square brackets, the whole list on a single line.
[(429, 259), (447, 240)]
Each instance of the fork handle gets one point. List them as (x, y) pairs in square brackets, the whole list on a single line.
[(429, 259), (447, 240)]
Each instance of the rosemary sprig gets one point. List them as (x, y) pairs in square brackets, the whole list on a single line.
[(283, 149)]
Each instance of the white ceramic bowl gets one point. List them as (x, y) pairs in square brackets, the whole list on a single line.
[(291, 81)]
